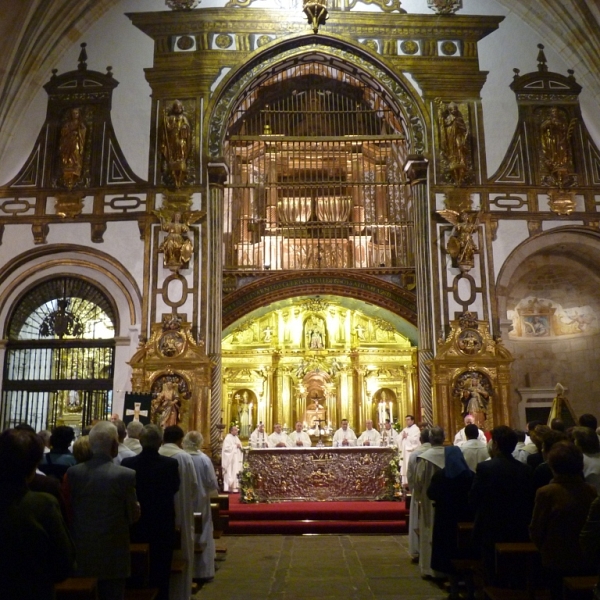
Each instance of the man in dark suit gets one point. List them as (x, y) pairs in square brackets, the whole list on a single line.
[(157, 483), (502, 496), (103, 506)]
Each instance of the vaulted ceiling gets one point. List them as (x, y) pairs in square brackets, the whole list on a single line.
[(34, 34)]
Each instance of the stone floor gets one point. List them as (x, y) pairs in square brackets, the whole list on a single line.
[(323, 567)]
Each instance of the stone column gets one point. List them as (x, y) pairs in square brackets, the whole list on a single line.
[(416, 172), (217, 175)]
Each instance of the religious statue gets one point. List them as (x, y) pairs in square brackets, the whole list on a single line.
[(244, 409), (454, 137), (177, 248), (555, 133), (166, 405), (71, 147), (384, 409), (177, 142), (461, 246), (475, 396), (315, 334)]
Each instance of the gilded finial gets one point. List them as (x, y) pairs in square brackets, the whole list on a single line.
[(83, 57), (516, 73), (541, 58)]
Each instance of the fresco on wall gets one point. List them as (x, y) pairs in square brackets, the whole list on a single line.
[(539, 318)]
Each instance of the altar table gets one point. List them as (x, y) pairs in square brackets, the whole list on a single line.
[(324, 474)]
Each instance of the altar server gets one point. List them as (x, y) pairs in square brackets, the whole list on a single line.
[(278, 439), (344, 436), (370, 436), (299, 438), (232, 459)]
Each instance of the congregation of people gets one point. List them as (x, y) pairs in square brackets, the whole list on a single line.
[(72, 508), (539, 486)]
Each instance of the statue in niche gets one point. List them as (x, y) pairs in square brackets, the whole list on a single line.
[(71, 147), (244, 413), (474, 391), (555, 133), (315, 334), (461, 247), (177, 142), (454, 137), (166, 405)]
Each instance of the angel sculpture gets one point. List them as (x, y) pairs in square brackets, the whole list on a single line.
[(460, 246), (177, 247)]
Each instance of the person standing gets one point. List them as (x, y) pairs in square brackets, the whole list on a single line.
[(103, 505), (409, 440), (36, 550), (157, 482), (344, 436), (278, 439), (185, 503), (232, 457), (474, 450), (204, 563), (299, 438), (370, 436)]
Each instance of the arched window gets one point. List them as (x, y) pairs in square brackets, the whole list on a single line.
[(59, 356)]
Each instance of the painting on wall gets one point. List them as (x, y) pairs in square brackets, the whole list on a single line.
[(539, 318)]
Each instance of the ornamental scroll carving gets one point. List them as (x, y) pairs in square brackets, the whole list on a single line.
[(319, 473)]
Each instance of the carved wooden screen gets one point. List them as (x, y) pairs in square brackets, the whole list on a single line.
[(60, 356), (316, 178)]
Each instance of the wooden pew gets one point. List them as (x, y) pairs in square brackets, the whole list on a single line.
[(579, 588), (137, 584), (77, 588)]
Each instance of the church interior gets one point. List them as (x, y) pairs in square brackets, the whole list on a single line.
[(319, 216), (279, 211)]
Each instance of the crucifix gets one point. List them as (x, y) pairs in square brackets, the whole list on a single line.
[(318, 422), (136, 412)]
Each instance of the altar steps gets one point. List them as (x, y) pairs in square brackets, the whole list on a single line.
[(316, 517)]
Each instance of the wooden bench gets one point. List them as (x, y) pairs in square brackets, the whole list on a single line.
[(464, 536), (77, 588), (137, 584), (579, 588)]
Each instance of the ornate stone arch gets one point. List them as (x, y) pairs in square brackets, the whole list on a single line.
[(331, 50)]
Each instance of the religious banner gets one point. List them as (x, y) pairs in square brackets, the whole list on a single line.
[(137, 408)]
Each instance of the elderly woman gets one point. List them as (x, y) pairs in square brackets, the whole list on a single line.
[(204, 564)]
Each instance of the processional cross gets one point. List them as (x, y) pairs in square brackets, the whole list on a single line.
[(318, 422)]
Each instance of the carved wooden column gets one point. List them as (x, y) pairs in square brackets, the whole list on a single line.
[(416, 171), (217, 174)]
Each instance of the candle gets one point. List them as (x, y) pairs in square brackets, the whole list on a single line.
[(391, 415)]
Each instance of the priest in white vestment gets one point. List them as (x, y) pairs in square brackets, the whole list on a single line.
[(389, 436), (344, 436), (185, 505), (370, 436), (428, 463), (413, 517), (278, 439), (460, 438), (474, 450), (409, 440), (232, 460), (258, 438), (299, 438), (204, 563)]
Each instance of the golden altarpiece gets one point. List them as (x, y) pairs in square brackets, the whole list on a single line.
[(298, 183)]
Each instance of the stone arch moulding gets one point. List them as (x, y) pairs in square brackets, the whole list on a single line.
[(285, 285), (584, 241), (37, 265), (331, 51)]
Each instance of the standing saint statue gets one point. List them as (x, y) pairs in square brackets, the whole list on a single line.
[(71, 146), (454, 137), (166, 405), (177, 142), (555, 135)]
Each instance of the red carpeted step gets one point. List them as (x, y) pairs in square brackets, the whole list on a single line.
[(321, 526)]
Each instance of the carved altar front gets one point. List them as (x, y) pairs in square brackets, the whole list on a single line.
[(323, 474)]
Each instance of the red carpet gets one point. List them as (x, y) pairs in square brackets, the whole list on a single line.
[(316, 517)]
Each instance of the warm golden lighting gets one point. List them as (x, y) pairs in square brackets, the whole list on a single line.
[(316, 12)]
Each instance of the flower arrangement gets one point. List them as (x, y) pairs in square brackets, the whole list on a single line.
[(247, 484), (397, 426), (392, 480)]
